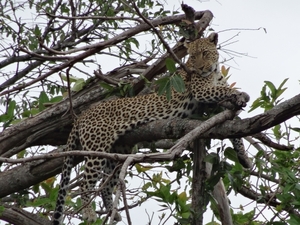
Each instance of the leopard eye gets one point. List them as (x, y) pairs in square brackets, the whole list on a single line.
[(193, 57), (205, 53)]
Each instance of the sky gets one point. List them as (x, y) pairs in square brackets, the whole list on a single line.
[(270, 56)]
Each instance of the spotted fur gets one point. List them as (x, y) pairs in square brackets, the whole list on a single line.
[(99, 128)]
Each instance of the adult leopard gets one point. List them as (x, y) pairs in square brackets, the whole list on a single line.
[(99, 128)]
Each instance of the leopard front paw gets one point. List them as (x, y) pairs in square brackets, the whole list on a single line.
[(240, 99)]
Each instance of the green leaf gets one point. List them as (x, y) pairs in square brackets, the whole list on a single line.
[(231, 154), (71, 78), (272, 88), (178, 83), (211, 158), (36, 188), (294, 220), (46, 187), (42, 99), (282, 83), (2, 208), (39, 202), (37, 31), (33, 44), (34, 111), (183, 196), (297, 129), (135, 42), (11, 108), (4, 118), (106, 86), (268, 100), (277, 131), (141, 168), (65, 9), (164, 86), (146, 186), (78, 84), (170, 64), (21, 154), (56, 99)]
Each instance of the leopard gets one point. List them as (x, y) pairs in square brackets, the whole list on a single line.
[(100, 127)]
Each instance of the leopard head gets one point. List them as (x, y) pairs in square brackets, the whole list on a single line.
[(203, 55)]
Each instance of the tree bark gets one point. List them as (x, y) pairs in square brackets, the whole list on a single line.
[(199, 197), (19, 216)]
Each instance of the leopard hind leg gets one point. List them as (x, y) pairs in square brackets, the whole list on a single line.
[(64, 183), (73, 142), (112, 172), (92, 173)]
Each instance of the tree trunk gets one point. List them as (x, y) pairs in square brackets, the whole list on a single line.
[(199, 197)]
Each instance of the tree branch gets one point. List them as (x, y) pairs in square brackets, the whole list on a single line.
[(17, 216)]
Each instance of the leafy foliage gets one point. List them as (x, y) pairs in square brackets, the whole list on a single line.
[(269, 99)]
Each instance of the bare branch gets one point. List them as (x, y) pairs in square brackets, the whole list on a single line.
[(269, 200), (94, 17), (267, 141)]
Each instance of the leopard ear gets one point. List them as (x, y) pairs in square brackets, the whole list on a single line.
[(213, 37)]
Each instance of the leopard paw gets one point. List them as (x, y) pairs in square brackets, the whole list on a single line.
[(89, 214), (240, 99)]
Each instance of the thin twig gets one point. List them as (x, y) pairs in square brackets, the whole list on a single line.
[(106, 79), (51, 58), (94, 17), (125, 202)]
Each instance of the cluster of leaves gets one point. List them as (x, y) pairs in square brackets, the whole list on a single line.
[(168, 84)]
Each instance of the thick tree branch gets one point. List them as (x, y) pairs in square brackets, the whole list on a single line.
[(24, 176), (35, 130), (17, 216), (18, 182)]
